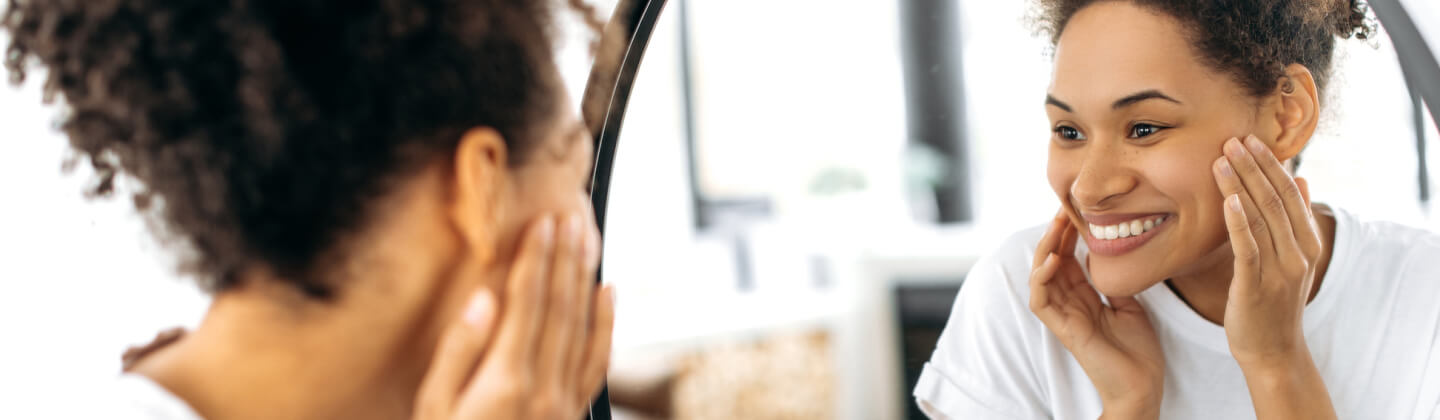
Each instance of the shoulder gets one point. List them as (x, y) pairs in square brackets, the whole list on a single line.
[(1386, 249), (988, 361), (993, 303)]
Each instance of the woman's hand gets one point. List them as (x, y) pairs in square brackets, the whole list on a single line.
[(544, 354), (1115, 344), (1274, 237)]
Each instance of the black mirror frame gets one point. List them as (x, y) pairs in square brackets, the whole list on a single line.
[(607, 95)]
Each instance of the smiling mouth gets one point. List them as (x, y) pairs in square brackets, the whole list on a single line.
[(1127, 229), (1125, 236)]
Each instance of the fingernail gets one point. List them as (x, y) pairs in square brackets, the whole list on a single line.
[(1223, 165), (1256, 146), (1234, 202), (1233, 148), (609, 290), (481, 309)]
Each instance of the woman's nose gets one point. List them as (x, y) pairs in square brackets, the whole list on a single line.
[(1101, 180)]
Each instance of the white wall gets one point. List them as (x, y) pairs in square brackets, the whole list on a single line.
[(79, 280)]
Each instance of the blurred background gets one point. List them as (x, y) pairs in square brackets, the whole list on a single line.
[(799, 190)]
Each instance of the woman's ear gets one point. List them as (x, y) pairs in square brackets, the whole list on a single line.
[(476, 186), (1293, 112)]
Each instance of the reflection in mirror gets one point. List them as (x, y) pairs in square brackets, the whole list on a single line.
[(772, 222)]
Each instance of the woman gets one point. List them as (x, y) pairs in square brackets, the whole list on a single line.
[(386, 199), (1187, 275)]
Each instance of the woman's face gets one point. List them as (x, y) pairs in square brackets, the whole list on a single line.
[(1137, 122), (554, 178)]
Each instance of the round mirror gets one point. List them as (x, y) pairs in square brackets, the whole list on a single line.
[(801, 187)]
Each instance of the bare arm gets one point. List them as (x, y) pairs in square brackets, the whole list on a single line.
[(1295, 391)]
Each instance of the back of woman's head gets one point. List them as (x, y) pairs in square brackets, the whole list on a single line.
[(1250, 40), (261, 131)]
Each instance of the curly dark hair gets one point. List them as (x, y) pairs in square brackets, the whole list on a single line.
[(261, 131), (1251, 40)]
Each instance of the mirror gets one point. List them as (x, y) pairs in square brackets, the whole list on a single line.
[(801, 186)]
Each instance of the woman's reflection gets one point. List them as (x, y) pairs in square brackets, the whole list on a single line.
[(1187, 274)]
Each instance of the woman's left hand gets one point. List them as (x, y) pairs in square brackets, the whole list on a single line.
[(1273, 234)]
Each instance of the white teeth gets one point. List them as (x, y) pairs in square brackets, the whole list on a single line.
[(1125, 229)]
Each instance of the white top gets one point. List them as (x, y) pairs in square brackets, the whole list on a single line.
[(1371, 330), (139, 398)]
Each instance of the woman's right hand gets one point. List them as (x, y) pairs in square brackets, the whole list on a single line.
[(545, 356), (1115, 344)]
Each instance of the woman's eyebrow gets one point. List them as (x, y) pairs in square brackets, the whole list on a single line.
[(1050, 100), (1141, 96)]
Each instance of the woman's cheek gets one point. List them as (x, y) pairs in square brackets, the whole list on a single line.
[(1184, 176), (1060, 171)]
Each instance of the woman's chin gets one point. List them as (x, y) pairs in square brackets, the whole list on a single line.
[(1120, 282)]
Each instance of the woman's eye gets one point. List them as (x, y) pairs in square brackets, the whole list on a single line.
[(1143, 130), (1069, 133)]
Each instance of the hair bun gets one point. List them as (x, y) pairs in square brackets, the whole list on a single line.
[(1351, 18)]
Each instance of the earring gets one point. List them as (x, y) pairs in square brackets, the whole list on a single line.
[(1287, 87)]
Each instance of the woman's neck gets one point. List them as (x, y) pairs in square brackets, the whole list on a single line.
[(1208, 290), (256, 357), (264, 351)]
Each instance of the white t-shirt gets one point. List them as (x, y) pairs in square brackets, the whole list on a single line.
[(136, 397), (1371, 329)]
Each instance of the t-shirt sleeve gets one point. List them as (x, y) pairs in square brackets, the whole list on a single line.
[(983, 366)]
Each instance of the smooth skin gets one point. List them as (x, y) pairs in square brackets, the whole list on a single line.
[(537, 360), (1118, 149)]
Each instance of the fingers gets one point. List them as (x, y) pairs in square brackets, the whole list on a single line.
[(551, 340), (1253, 182), (460, 350), (1243, 244), (586, 291), (1078, 288), (1230, 186), (597, 351), (525, 297), (1297, 206), (1040, 292), (1051, 241), (564, 318), (1304, 187), (1068, 239)]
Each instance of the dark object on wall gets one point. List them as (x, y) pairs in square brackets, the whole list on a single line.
[(922, 312), (1422, 74), (935, 97)]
